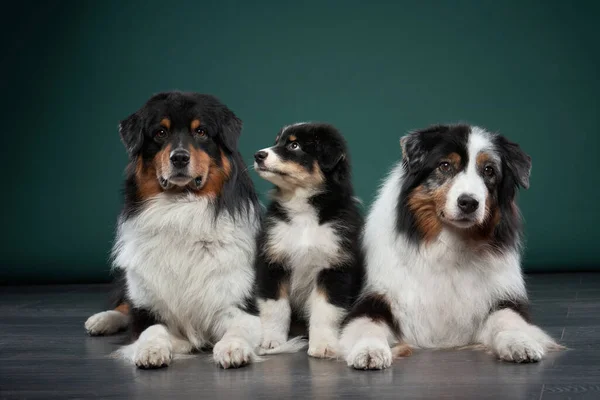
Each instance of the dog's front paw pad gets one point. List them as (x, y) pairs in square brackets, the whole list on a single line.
[(232, 353), (105, 323), (519, 347), (370, 356), (152, 354)]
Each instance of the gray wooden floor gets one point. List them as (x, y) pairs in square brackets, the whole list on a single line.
[(45, 354)]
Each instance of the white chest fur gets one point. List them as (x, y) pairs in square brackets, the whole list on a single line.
[(441, 291), (304, 246), (184, 264)]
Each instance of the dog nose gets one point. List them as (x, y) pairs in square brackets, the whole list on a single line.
[(260, 155), (180, 158), (467, 204)]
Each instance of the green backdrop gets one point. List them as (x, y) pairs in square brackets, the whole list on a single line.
[(375, 69)]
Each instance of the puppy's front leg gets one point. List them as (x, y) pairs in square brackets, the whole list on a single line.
[(242, 332), (323, 325), (513, 339), (273, 303)]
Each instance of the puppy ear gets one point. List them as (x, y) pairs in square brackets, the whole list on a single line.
[(130, 130), (517, 161), (329, 161), (231, 129), (413, 153)]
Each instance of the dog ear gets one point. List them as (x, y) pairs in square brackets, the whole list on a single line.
[(231, 129), (413, 153), (330, 152), (518, 163), (130, 130)]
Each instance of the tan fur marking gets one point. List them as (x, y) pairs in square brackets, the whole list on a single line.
[(213, 175), (146, 179), (424, 206), (195, 124), (292, 138), (454, 159), (165, 123), (482, 159), (401, 350), (123, 308), (284, 290)]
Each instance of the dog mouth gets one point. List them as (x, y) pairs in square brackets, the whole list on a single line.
[(260, 168), (181, 180), (459, 222)]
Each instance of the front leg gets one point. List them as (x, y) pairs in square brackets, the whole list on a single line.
[(273, 303), (513, 339), (241, 332), (367, 332), (323, 325)]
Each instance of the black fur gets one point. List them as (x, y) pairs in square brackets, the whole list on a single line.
[(324, 145), (520, 306), (141, 319), (223, 129), (377, 308), (422, 152)]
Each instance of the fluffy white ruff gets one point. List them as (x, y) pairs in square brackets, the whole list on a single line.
[(441, 293), (193, 269), (106, 323)]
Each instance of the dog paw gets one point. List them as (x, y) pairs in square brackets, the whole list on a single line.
[(152, 354), (232, 353), (519, 347), (106, 323), (321, 349), (271, 343), (370, 355)]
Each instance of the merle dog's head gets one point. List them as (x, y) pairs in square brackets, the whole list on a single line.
[(464, 178), (305, 155)]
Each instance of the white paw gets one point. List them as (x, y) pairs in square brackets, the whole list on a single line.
[(232, 353), (518, 346), (106, 323), (370, 354), (321, 349), (154, 353), (269, 343)]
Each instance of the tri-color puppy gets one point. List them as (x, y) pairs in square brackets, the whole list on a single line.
[(442, 247), (186, 236), (309, 260)]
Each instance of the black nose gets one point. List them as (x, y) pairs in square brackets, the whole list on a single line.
[(260, 155), (467, 204), (180, 158)]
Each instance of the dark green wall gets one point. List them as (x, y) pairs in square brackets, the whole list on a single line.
[(72, 71)]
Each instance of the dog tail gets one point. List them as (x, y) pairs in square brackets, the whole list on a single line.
[(291, 346)]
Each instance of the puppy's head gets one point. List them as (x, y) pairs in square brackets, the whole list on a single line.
[(305, 155), (463, 177), (181, 142)]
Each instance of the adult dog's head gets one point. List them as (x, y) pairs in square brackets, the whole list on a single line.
[(463, 178), (183, 143), (305, 155)]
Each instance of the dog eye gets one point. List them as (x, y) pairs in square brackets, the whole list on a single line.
[(489, 171), (445, 166), (293, 146), (160, 134), (200, 132)]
